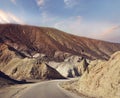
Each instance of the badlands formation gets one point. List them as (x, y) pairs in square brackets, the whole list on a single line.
[(102, 80), (29, 52)]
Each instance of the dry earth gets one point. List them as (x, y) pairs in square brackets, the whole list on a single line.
[(102, 80)]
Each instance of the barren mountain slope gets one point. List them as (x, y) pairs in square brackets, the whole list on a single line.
[(14, 65), (22, 45), (102, 81), (56, 44)]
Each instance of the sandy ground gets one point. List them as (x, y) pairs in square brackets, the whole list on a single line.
[(64, 85)]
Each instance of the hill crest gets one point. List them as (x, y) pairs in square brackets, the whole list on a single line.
[(30, 40)]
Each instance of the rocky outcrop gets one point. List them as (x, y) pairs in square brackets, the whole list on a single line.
[(28, 68), (44, 71), (102, 81), (20, 67), (73, 66)]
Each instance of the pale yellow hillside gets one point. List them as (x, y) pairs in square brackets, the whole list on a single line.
[(102, 81)]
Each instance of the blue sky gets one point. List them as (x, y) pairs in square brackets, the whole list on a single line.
[(98, 19)]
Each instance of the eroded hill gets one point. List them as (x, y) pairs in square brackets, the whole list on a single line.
[(55, 44), (102, 80), (21, 46)]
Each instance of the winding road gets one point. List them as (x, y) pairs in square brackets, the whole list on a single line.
[(48, 89)]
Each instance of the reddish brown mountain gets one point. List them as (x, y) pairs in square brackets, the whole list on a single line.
[(28, 40)]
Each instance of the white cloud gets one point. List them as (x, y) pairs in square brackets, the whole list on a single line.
[(40, 2), (6, 17), (111, 30), (13, 1), (77, 25), (111, 33), (69, 25), (70, 3), (46, 19), (97, 30)]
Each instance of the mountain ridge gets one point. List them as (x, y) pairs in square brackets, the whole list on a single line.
[(32, 39)]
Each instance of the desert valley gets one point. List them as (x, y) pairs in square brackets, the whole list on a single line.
[(29, 53), (59, 48)]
